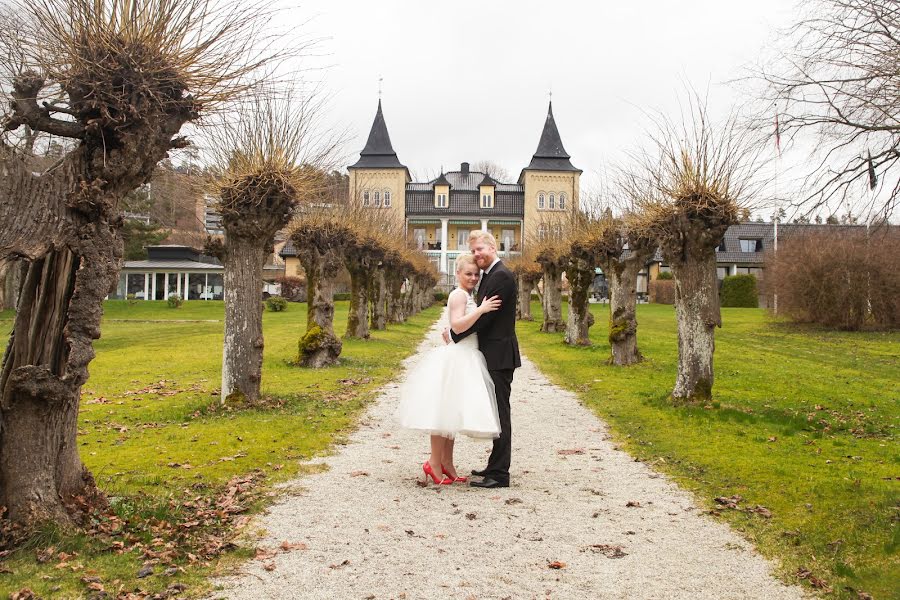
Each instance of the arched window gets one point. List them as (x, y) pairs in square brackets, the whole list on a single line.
[(387, 199), (377, 199), (541, 200), (366, 198), (562, 202), (552, 201)]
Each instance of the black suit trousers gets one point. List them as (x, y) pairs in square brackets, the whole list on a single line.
[(501, 455)]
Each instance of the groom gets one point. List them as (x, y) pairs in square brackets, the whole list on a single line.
[(497, 341)]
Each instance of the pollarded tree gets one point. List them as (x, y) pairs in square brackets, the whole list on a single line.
[(125, 76), (581, 260), (263, 156), (689, 190), (320, 235), (397, 268), (528, 273), (374, 232), (622, 253), (552, 254)]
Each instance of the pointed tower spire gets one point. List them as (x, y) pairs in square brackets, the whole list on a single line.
[(378, 152), (550, 154)]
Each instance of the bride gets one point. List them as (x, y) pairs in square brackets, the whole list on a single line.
[(450, 391)]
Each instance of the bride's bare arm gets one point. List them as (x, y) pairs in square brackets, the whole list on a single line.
[(459, 321)]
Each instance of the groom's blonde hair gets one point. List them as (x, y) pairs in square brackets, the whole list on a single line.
[(464, 259), (483, 236)]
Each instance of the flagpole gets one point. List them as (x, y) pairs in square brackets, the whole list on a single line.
[(777, 204)]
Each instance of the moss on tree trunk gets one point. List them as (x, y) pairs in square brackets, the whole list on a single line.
[(319, 347), (580, 273), (621, 275), (552, 298), (378, 300)]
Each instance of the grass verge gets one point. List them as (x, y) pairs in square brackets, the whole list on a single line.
[(182, 473), (803, 424)]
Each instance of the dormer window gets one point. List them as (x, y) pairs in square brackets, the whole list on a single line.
[(751, 246), (562, 202), (552, 201), (487, 201), (366, 198), (377, 199), (387, 198), (541, 200), (440, 200)]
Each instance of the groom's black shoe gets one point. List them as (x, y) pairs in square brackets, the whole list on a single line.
[(478, 473), (489, 483)]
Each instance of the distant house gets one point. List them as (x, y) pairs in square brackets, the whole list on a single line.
[(168, 270), (744, 247)]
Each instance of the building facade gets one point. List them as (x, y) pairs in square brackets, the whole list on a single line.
[(439, 214)]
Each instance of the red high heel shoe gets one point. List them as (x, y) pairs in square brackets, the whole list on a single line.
[(457, 479), (429, 472)]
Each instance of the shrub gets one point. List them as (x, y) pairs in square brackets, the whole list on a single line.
[(440, 297), (174, 301), (662, 292), (293, 289), (739, 291), (665, 276), (838, 277), (342, 296), (131, 299), (276, 304)]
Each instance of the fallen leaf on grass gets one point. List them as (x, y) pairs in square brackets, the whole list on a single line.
[(23, 594), (730, 501), (761, 511), (556, 565)]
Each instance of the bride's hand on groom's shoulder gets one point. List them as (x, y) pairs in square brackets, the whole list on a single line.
[(490, 304)]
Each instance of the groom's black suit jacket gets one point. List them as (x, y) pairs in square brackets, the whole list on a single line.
[(497, 330)]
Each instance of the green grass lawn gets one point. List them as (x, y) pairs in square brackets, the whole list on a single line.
[(803, 422), (151, 432)]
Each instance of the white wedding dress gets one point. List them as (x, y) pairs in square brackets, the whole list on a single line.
[(450, 391)]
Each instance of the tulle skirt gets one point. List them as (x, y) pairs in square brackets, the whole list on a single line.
[(450, 392)]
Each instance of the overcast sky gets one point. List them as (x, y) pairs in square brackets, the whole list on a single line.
[(467, 81)]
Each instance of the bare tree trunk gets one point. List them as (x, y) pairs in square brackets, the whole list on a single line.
[(622, 279), (580, 273), (319, 347), (396, 312), (360, 283), (523, 305), (242, 354), (698, 315), (409, 304), (377, 300), (552, 299), (44, 367)]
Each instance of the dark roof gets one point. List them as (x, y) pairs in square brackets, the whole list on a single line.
[(288, 249), (466, 180), (440, 181), (487, 180), (550, 154), (378, 153), (465, 203)]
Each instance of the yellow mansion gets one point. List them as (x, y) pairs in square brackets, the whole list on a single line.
[(439, 214)]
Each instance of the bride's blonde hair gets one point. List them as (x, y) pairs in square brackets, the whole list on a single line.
[(464, 259)]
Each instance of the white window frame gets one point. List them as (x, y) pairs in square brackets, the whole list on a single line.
[(387, 199), (462, 239), (440, 200), (541, 201), (552, 203), (562, 201), (365, 198), (377, 199), (487, 201)]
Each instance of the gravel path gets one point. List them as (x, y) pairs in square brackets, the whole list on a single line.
[(379, 535)]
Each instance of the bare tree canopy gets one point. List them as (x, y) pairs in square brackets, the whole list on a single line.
[(840, 79)]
